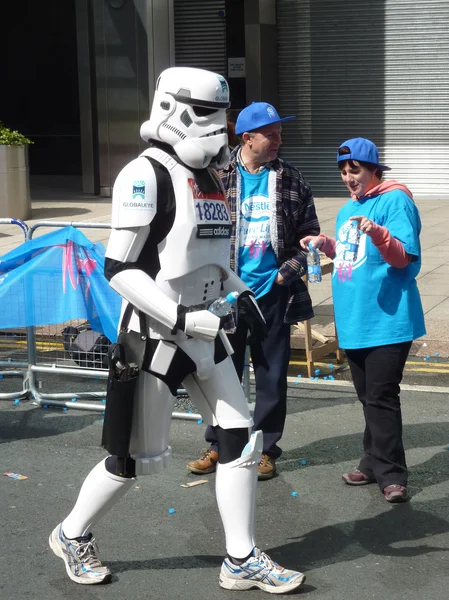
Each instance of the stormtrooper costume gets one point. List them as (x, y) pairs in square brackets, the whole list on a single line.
[(168, 257)]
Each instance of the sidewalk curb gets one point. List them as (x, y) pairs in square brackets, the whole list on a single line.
[(304, 382)]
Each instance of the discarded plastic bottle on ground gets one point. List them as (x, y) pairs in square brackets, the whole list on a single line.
[(353, 240), (223, 307), (313, 265)]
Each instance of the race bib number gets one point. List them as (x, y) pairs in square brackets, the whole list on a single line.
[(213, 217)]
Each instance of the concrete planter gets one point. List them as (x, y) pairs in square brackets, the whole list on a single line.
[(15, 199)]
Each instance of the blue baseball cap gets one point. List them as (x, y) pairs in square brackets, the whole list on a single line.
[(256, 115), (361, 149)]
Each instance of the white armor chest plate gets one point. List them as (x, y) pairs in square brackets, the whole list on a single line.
[(196, 252)]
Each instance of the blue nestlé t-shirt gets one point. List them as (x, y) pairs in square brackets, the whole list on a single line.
[(377, 304), (257, 265)]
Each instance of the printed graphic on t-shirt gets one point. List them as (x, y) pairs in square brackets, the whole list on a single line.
[(257, 263), (213, 217), (347, 256), (255, 225)]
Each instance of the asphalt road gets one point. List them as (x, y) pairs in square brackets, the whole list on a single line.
[(349, 541)]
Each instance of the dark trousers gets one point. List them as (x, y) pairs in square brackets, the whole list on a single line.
[(377, 373), (270, 361)]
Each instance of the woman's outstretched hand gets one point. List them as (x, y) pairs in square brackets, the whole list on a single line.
[(316, 240), (365, 225)]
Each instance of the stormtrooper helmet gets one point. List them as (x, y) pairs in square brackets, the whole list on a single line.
[(189, 114)]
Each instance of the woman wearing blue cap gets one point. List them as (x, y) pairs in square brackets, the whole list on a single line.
[(378, 311)]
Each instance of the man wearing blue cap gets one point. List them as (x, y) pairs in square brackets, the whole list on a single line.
[(272, 208)]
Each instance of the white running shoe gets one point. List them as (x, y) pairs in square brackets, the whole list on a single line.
[(80, 556), (259, 571)]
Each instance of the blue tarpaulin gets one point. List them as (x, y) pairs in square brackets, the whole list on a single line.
[(54, 278)]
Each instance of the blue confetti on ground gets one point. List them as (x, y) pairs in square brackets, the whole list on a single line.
[(199, 421), (303, 462), (294, 494), (171, 511)]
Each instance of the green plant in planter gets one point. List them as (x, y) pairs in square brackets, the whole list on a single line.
[(12, 138)]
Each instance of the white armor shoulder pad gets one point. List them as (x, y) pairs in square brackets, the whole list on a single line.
[(165, 159), (134, 196)]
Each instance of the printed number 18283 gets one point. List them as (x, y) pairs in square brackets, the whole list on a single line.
[(212, 211)]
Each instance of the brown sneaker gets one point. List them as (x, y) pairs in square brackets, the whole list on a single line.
[(205, 464), (267, 467)]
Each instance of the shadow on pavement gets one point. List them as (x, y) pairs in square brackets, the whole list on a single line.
[(349, 447), (20, 424), (377, 535)]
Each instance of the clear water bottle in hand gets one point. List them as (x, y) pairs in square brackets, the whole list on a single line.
[(353, 240), (313, 265), (223, 307)]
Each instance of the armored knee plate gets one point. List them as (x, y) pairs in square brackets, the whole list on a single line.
[(251, 452)]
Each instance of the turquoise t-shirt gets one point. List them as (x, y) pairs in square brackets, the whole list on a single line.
[(257, 265), (376, 304)]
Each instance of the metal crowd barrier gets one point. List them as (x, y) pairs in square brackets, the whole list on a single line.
[(24, 227), (15, 341), (46, 356)]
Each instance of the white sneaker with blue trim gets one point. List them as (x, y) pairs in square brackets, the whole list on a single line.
[(259, 571), (80, 556)]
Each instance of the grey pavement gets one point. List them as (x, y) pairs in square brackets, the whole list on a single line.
[(58, 199), (349, 541)]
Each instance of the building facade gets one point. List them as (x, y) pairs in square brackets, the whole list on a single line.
[(376, 69), (83, 76)]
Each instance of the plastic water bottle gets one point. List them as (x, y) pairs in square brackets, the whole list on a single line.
[(353, 240), (222, 307), (313, 265)]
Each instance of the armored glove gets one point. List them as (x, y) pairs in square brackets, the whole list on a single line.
[(249, 311), (200, 324)]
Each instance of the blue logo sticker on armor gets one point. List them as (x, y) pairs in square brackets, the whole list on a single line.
[(139, 189), (224, 85)]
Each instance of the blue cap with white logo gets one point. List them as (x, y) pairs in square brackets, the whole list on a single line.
[(256, 115)]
